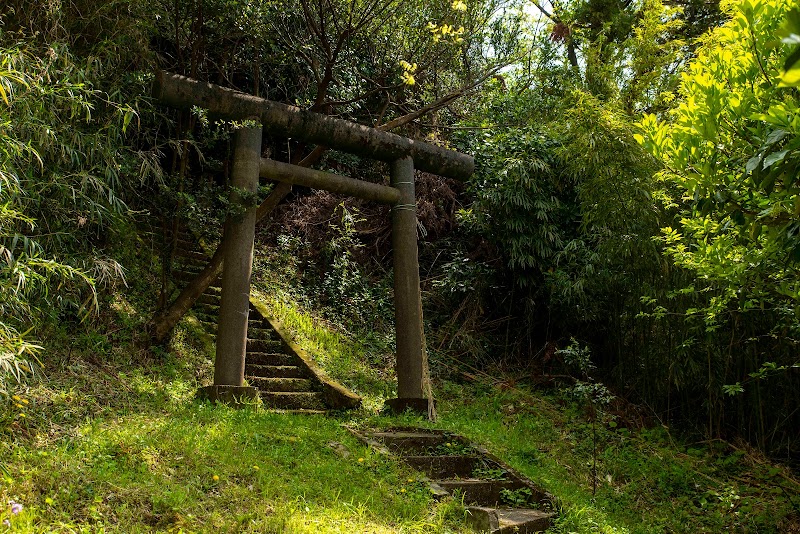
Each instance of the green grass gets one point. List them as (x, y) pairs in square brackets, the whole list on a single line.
[(213, 469), (120, 445), (112, 440), (648, 481)]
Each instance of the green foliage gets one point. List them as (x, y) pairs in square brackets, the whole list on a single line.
[(64, 169), (517, 204), (791, 36), (517, 498), (346, 289), (648, 480), (729, 153), (568, 207)]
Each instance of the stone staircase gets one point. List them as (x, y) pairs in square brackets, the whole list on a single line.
[(499, 500), (286, 377)]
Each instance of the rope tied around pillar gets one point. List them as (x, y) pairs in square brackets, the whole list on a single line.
[(407, 207)]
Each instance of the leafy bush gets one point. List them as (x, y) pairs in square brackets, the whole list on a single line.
[(730, 150), (63, 168)]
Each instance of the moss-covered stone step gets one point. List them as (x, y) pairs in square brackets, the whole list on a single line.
[(264, 345), (271, 358), (192, 255), (211, 299), (492, 492), (262, 334), (509, 520), (287, 385), (275, 371), (500, 500), (455, 466), (418, 443)]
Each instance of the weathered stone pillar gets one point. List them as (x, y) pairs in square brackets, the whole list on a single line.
[(237, 243), (407, 299)]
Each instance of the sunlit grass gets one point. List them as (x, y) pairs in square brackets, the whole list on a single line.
[(113, 440), (649, 481), (119, 444)]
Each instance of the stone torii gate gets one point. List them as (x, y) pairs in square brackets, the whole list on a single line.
[(404, 156)]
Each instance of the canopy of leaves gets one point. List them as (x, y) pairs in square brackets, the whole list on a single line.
[(731, 155)]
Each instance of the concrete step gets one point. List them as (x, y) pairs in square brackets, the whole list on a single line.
[(274, 371), (187, 276), (208, 304), (414, 443), (509, 520), (299, 412), (293, 401), (189, 267), (212, 299), (455, 466), (205, 315), (184, 245), (184, 236), (490, 492), (266, 345), (212, 309), (271, 358), (209, 326), (281, 384), (260, 333)]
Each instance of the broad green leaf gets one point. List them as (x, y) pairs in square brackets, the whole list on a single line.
[(775, 136), (753, 163), (791, 78), (774, 158)]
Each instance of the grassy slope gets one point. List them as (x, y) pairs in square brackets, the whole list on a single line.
[(112, 441), (116, 442), (648, 480)]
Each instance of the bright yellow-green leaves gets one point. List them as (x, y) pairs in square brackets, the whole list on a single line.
[(791, 36), (408, 72), (449, 32), (730, 151), (8, 77), (446, 32)]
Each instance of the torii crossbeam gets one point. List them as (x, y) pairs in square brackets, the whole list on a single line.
[(403, 155)]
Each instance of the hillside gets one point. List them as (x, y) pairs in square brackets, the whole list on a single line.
[(574, 224), (110, 438)]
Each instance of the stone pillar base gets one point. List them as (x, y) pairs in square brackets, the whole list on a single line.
[(415, 405), (236, 396)]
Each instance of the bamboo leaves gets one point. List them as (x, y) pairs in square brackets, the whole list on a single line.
[(63, 164)]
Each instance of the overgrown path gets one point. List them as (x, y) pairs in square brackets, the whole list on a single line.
[(285, 376), (499, 500)]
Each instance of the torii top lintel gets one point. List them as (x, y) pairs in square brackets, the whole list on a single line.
[(289, 121)]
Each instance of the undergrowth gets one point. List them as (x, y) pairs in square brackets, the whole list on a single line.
[(606, 475), (111, 439)]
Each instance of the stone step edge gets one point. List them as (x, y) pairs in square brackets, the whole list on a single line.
[(438, 491), (335, 395), (503, 520)]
